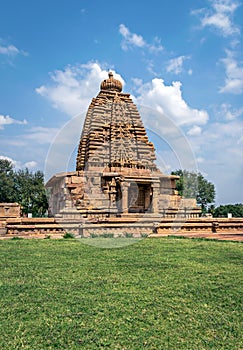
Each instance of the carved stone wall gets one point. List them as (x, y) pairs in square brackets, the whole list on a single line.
[(9, 210)]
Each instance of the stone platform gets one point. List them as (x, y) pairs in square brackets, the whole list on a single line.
[(217, 228)]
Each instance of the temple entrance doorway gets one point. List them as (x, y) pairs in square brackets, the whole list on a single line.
[(119, 198), (139, 198)]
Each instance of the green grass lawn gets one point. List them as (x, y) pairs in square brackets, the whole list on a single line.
[(156, 294)]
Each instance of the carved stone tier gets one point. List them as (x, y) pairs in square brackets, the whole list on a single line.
[(113, 133)]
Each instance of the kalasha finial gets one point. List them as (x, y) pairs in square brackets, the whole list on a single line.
[(111, 84)]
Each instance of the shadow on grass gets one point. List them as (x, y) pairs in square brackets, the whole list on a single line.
[(107, 242), (202, 239)]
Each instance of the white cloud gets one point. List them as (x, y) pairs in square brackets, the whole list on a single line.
[(11, 51), (200, 160), (31, 164), (219, 16), (17, 164), (137, 81), (131, 40), (7, 120), (155, 46), (169, 100), (72, 89), (150, 68), (230, 132), (176, 64), (234, 75), (41, 135), (227, 112), (194, 131)]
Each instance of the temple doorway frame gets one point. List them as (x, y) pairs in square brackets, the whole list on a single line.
[(139, 197)]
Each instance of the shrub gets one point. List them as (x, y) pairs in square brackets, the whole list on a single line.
[(144, 235), (68, 235), (128, 235), (94, 235), (107, 235), (103, 235)]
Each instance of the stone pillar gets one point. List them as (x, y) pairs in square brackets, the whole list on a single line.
[(147, 199), (124, 189), (155, 199)]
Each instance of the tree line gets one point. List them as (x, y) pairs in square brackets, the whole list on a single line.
[(195, 185), (235, 209)]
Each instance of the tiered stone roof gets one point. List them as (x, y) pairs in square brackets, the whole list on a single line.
[(113, 133)]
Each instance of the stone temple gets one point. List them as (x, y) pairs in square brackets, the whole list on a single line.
[(116, 182)]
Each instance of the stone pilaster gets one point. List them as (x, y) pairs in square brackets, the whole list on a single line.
[(124, 188), (155, 198)]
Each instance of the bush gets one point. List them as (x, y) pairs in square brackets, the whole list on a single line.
[(103, 235), (144, 235), (68, 235), (108, 235), (128, 235), (94, 235)]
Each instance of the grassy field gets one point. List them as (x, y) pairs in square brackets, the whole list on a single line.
[(157, 294)]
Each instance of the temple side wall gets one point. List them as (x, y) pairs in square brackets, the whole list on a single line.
[(84, 193)]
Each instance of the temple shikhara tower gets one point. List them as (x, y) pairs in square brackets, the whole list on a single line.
[(116, 183)]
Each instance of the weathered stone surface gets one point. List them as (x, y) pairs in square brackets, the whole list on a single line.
[(9, 210)]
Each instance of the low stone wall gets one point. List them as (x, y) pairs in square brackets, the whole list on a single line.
[(170, 226), (43, 227), (33, 227), (202, 224), (116, 230)]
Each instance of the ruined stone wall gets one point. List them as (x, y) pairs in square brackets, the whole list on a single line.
[(9, 210), (33, 227)]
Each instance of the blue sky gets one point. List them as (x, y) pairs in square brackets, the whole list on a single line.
[(183, 59)]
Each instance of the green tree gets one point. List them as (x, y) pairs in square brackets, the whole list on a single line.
[(7, 193), (235, 209), (31, 192), (24, 187), (194, 185)]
